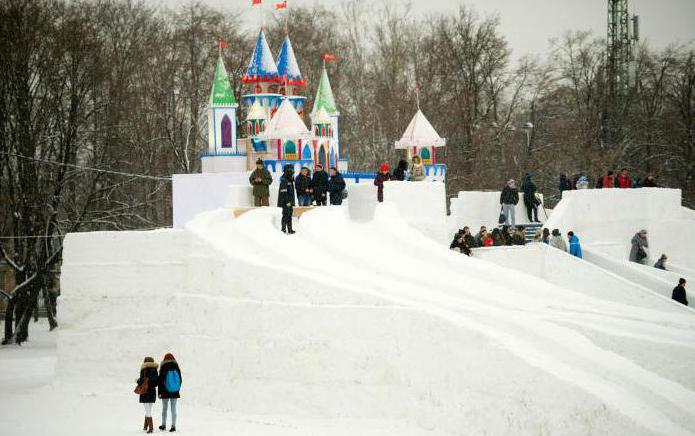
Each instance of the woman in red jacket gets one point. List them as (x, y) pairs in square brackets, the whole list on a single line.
[(624, 179)]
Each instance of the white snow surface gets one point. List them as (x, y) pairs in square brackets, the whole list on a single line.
[(357, 324)]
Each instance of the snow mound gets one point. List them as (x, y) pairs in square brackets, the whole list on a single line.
[(369, 319)]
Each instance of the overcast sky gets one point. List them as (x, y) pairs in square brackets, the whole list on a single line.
[(528, 24)]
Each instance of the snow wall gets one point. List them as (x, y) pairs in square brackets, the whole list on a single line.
[(481, 208), (606, 220), (372, 321)]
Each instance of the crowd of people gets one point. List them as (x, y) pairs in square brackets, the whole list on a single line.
[(609, 179), (163, 381)]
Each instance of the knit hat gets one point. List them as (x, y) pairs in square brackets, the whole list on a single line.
[(383, 168)]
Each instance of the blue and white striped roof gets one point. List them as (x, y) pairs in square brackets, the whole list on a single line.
[(262, 66)]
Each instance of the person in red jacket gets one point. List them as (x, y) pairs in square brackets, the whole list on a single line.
[(379, 180), (609, 180), (624, 179)]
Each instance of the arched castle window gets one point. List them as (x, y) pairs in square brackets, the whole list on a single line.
[(290, 150), (226, 129), (306, 153)]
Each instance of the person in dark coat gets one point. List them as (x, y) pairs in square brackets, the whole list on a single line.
[(649, 182), (459, 244), (148, 374), (286, 198), (302, 184), (507, 235), (319, 185), (679, 293), (509, 197), (530, 200), (168, 397), (639, 247), (497, 238), (379, 180), (336, 186), (261, 180), (399, 172), (565, 183)]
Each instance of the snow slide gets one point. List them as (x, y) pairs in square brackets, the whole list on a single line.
[(369, 320)]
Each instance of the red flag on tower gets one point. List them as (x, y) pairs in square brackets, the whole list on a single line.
[(282, 5), (329, 57), (223, 43), (256, 2)]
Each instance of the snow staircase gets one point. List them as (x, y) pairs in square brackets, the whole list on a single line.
[(530, 230)]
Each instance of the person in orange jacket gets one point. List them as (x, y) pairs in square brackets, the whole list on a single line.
[(623, 180)]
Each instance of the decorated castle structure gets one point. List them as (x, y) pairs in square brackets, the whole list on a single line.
[(273, 128)]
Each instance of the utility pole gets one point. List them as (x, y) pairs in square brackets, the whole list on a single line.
[(623, 33)]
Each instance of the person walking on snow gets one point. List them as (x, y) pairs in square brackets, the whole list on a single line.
[(286, 198), (319, 185), (399, 173), (148, 382), (261, 179), (336, 186), (302, 185), (639, 252), (379, 180), (169, 386), (509, 199), (417, 173), (575, 248), (623, 180), (530, 200), (556, 241), (679, 293)]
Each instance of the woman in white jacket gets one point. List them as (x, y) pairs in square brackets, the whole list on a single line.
[(557, 241)]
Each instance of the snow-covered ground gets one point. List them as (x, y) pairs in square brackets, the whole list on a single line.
[(351, 326)]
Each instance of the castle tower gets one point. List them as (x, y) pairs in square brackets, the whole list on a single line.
[(224, 153), (288, 71), (328, 147), (261, 80)]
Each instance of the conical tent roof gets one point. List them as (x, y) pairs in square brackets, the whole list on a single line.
[(320, 117), (287, 64), (222, 93), (324, 96), (256, 112), (286, 124), (262, 66), (420, 133)]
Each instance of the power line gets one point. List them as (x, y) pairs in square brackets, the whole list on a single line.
[(83, 168)]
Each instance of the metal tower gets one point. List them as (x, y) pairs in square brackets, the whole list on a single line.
[(619, 58)]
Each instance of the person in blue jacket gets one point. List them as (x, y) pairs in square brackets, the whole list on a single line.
[(286, 198), (575, 248), (336, 186)]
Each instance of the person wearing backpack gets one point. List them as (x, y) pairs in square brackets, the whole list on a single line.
[(169, 386), (147, 390)]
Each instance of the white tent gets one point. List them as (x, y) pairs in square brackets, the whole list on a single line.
[(286, 124), (420, 133)]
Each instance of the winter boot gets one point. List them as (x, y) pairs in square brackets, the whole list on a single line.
[(144, 426), (173, 429), (289, 229), (150, 425), (163, 427)]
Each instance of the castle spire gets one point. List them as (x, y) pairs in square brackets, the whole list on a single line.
[(287, 64), (222, 93), (262, 67), (324, 95)]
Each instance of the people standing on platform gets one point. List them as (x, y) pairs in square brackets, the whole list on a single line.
[(319, 185), (302, 184), (509, 199), (381, 177), (575, 247), (286, 198), (261, 180), (530, 200), (417, 172), (336, 186)]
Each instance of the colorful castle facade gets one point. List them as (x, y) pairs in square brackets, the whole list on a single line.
[(273, 127)]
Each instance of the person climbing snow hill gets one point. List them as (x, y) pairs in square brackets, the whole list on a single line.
[(169, 387), (639, 250)]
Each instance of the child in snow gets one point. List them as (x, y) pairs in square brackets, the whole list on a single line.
[(417, 173), (147, 386), (379, 180), (169, 386)]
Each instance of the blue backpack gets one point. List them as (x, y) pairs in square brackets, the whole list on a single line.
[(173, 381)]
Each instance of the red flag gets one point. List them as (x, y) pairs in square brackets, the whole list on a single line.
[(223, 43), (256, 2), (329, 57), (282, 5)]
